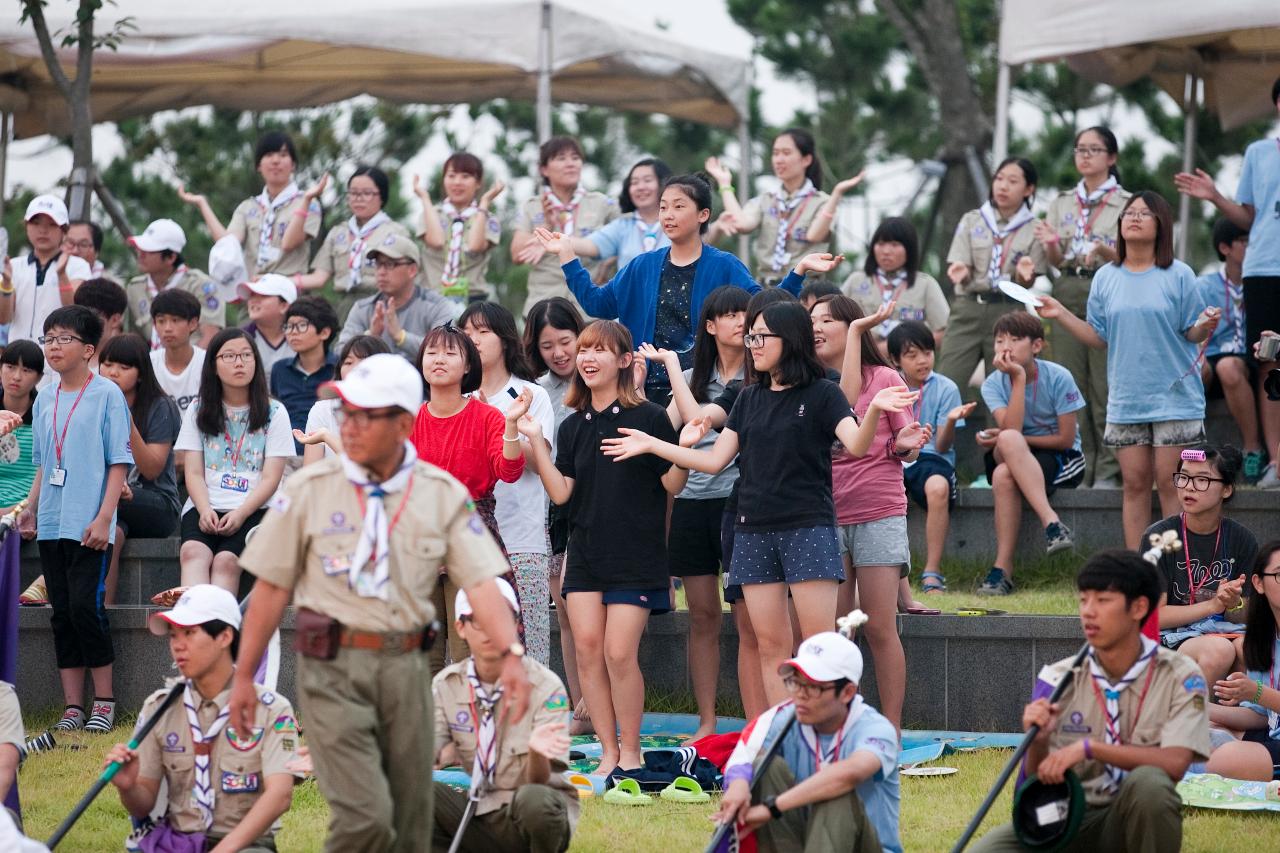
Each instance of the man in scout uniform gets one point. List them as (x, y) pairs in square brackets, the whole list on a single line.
[(357, 541), (227, 786), (522, 800), (159, 253), (1128, 725)]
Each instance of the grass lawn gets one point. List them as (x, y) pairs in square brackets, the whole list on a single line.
[(934, 811)]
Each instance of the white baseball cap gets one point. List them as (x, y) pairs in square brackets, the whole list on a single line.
[(271, 284), (200, 604), (462, 604), (51, 206), (826, 657), (380, 380), (163, 235)]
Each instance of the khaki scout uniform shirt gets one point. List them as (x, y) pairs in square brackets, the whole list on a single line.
[(238, 766), (759, 213), (923, 301), (11, 730), (972, 245), (246, 225), (546, 278), (455, 722), (473, 265), (1064, 212), (1173, 714), (309, 534), (333, 258), (213, 311)]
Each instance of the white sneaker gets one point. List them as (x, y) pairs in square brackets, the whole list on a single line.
[(1269, 480)]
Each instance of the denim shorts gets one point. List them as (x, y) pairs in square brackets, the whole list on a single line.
[(1153, 434), (786, 556)]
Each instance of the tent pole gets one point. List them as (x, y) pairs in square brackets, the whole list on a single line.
[(1000, 144), (744, 182), (1190, 128), (4, 159), (544, 74)]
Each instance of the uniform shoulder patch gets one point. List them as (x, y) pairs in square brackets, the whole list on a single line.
[(1195, 684), (557, 702), (285, 723), (267, 698)]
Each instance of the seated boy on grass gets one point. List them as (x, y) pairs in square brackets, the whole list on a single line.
[(931, 479), (1035, 450)]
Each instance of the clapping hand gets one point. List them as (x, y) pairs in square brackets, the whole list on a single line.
[(9, 421), (490, 194), (861, 326), (668, 358), (1229, 593), (894, 399), (421, 191), (1025, 270), (961, 412), (694, 431), (519, 407), (1235, 688), (1046, 233), (912, 437), (848, 183), (313, 192)]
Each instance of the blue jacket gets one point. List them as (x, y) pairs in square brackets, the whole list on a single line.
[(631, 296)]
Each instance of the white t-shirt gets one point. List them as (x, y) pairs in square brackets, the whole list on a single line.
[(269, 354), (34, 301), (183, 387), (322, 416), (522, 506), (233, 468)]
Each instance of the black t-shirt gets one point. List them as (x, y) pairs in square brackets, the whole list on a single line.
[(161, 425), (784, 455), (1236, 551), (618, 510)]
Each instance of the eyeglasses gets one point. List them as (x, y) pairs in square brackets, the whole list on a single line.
[(361, 195), (1138, 215), (301, 327), (806, 689), (361, 418), (236, 357), (387, 264), (1090, 150), (1199, 482), (60, 340), (756, 339), (82, 245)]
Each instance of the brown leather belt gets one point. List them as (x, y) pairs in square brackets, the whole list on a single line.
[(393, 643)]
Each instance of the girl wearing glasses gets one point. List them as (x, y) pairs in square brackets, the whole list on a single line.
[(1079, 236), (1204, 580), (1147, 311), (234, 440), (342, 255), (460, 231)]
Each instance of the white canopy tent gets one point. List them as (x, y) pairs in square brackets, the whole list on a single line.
[(1232, 47)]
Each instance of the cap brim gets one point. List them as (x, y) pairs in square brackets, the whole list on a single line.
[(140, 244), (352, 395), (159, 623), (812, 670)]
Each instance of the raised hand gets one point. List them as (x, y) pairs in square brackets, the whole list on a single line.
[(822, 262), (629, 444), (870, 321), (1046, 233), (191, 198), (957, 272), (894, 399), (378, 322), (1198, 185), (962, 411), (529, 427), (639, 371), (669, 358), (551, 241), (519, 406), (718, 170), (313, 192), (848, 183), (694, 431), (420, 190), (491, 193)]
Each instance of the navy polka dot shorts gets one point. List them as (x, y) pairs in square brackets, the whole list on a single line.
[(786, 556)]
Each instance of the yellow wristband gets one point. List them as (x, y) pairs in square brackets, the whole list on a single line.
[(400, 338)]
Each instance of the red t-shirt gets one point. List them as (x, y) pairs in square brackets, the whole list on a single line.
[(468, 445)]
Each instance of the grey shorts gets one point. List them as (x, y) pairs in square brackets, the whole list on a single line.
[(1154, 434), (882, 542)]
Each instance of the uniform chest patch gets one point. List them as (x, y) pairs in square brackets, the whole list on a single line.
[(240, 783), (242, 744)]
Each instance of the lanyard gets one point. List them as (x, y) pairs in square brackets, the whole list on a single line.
[(834, 753), (235, 452), (404, 502), (1097, 211), (59, 441), (1102, 705), (1186, 545)]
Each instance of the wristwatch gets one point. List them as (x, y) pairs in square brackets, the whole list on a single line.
[(771, 803), (516, 649)]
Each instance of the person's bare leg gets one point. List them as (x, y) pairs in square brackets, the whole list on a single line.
[(1026, 472), (1270, 413), (624, 624), (702, 592), (226, 572), (73, 685), (767, 604), (1215, 655), (196, 562), (1166, 464), (1241, 760), (1136, 471), (1008, 512), (937, 521), (568, 654), (102, 687), (1233, 376), (815, 603), (587, 613), (750, 684), (878, 595), (847, 592), (113, 571)]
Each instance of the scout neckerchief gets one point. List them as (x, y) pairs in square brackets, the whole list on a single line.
[(375, 535), (153, 290), (648, 233), (566, 212), (787, 211), (203, 791), (1088, 206), (810, 736), (1108, 696), (271, 207), (1233, 307), (891, 287), (1001, 237), (359, 239), (484, 710), (457, 220)]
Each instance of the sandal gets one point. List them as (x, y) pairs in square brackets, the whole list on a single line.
[(939, 583), (36, 595), (169, 597), (581, 784), (626, 793), (685, 790)]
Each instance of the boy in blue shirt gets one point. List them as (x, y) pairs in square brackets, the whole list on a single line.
[(1227, 356), (931, 479), (81, 450), (310, 327), (1036, 448)]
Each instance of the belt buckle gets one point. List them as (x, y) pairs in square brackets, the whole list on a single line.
[(393, 642)]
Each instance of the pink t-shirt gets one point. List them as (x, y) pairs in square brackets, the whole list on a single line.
[(871, 488)]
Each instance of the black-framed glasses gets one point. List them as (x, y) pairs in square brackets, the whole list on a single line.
[(1199, 482), (806, 689), (236, 357), (301, 327), (60, 340), (757, 339), (1138, 215), (388, 264), (1090, 150), (361, 418), (361, 195), (1275, 575)]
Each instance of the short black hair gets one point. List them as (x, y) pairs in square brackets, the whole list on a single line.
[(1118, 570), (214, 627), (1226, 231), (798, 364), (1019, 324), (102, 295), (895, 229), (1226, 460), (271, 142), (445, 335), (698, 190), (83, 322), (816, 289), (908, 334), (24, 353), (175, 303), (373, 173), (317, 311), (95, 232), (362, 346)]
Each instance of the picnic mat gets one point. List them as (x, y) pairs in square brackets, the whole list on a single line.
[(1211, 791)]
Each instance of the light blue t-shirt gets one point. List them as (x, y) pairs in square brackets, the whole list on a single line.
[(1259, 677), (1228, 296), (97, 437), (871, 733), (625, 238), (1051, 394), (1260, 188), (1152, 374), (938, 396)]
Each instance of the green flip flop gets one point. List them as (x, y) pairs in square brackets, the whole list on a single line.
[(626, 793), (685, 790)]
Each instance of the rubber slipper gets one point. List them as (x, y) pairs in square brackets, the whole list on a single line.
[(924, 611), (685, 790), (980, 611), (939, 585), (35, 595), (626, 792), (582, 784)]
